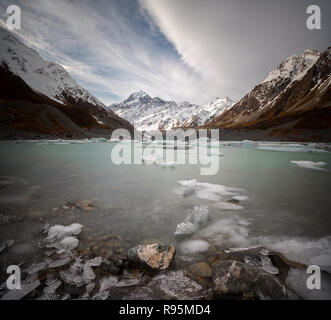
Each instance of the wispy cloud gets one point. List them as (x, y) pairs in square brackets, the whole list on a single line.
[(182, 50), (107, 52)]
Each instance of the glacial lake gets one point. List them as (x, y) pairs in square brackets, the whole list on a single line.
[(268, 194)]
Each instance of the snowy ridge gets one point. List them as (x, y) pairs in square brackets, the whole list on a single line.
[(147, 113), (297, 86), (42, 76), (294, 67)]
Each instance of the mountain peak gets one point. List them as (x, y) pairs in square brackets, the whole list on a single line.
[(136, 96), (155, 113), (294, 67)]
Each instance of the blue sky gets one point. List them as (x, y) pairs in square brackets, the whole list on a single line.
[(180, 50)]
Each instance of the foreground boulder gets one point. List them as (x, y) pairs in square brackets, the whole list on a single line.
[(236, 280), (153, 256)]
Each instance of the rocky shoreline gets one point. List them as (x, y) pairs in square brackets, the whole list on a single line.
[(105, 269)]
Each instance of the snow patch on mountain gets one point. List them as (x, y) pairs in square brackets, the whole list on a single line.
[(42, 76), (294, 67), (147, 113)]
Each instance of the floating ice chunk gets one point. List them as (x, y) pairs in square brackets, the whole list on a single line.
[(298, 249), (168, 164), (288, 147), (18, 294), (36, 267), (62, 237), (186, 228), (69, 243), (198, 215), (228, 206), (231, 232), (310, 165), (49, 291), (80, 272), (247, 144), (98, 140), (59, 232), (59, 262), (105, 285), (207, 191), (194, 246)]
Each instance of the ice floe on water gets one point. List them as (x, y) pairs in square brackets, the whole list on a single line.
[(227, 232), (234, 232), (303, 250), (207, 191), (63, 237), (81, 271), (185, 228), (98, 140), (248, 144), (105, 285), (168, 164), (193, 246), (197, 216), (290, 147), (226, 198), (310, 165)]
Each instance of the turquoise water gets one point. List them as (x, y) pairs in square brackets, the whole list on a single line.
[(287, 207)]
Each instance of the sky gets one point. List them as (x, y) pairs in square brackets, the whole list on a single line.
[(193, 50)]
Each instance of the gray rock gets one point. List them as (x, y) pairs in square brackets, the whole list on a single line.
[(236, 280)]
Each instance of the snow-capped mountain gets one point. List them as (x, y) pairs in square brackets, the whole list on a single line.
[(300, 84), (147, 113), (42, 76), (49, 80), (293, 68)]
